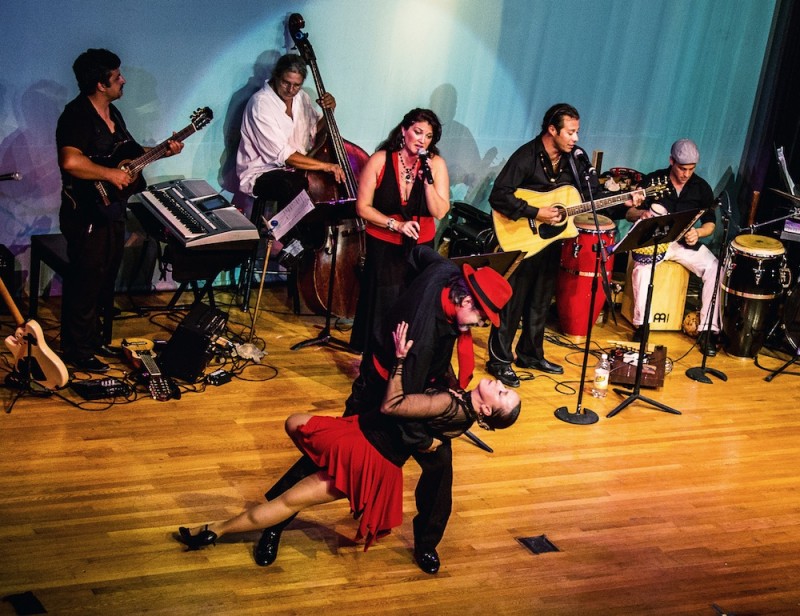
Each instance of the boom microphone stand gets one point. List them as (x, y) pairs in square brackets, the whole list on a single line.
[(699, 373), (585, 416)]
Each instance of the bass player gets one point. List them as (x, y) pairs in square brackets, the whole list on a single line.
[(89, 130)]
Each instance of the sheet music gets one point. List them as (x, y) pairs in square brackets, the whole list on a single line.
[(285, 220)]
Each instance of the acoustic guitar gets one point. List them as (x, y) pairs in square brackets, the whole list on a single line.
[(32, 356), (120, 157), (139, 353), (531, 236)]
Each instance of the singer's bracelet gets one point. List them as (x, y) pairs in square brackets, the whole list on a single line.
[(391, 224)]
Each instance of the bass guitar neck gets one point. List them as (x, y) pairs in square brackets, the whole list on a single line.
[(132, 158)]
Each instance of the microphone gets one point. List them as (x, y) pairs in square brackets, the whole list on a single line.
[(15, 175), (580, 155), (426, 169)]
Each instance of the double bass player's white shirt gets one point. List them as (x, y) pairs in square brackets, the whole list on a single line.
[(269, 136)]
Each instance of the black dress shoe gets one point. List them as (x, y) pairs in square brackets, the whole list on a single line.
[(90, 364), (427, 560), (542, 365), (195, 542), (266, 550), (638, 332), (504, 373)]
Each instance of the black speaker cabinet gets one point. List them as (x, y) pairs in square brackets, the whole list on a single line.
[(191, 347)]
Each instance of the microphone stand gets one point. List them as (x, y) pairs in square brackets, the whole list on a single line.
[(699, 373), (585, 416)]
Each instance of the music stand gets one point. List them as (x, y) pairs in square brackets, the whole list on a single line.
[(331, 214), (504, 263), (645, 233)]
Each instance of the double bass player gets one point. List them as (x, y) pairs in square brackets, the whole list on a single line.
[(279, 126)]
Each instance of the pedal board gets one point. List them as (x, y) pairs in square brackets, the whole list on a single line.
[(95, 389), (624, 362)]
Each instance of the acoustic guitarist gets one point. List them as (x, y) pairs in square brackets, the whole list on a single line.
[(89, 131), (547, 162)]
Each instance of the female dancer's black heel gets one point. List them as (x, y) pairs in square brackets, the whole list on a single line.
[(195, 542)]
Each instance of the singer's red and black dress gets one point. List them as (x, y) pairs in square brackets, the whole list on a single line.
[(364, 458), (385, 266)]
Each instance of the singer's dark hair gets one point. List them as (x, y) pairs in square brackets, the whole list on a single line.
[(289, 63), (394, 141), (94, 66), (556, 114)]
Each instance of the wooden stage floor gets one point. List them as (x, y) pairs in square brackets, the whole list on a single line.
[(651, 512)]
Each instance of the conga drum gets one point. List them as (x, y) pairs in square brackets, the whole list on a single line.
[(574, 284), (751, 283)]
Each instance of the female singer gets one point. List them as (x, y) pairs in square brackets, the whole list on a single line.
[(403, 187)]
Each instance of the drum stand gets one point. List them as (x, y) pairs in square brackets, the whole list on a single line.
[(583, 416), (792, 361), (699, 373), (650, 232)]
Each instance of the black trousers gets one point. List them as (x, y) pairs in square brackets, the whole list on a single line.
[(95, 254), (533, 284), (434, 493)]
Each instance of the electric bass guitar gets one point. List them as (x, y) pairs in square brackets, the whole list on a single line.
[(531, 236), (32, 356), (140, 354), (121, 158)]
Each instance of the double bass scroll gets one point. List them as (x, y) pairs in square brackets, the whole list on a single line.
[(323, 189)]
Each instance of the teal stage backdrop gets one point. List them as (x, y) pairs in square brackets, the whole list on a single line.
[(641, 72)]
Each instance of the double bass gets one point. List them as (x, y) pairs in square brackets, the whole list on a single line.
[(314, 271)]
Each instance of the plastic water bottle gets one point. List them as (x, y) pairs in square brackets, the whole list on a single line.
[(601, 371)]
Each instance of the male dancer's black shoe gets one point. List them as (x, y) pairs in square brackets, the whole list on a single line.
[(427, 560)]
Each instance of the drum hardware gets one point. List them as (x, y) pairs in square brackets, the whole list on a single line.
[(783, 368), (700, 373)]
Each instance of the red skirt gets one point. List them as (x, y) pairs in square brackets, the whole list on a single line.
[(373, 485)]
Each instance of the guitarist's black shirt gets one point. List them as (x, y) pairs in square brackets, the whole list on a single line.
[(81, 127), (529, 167)]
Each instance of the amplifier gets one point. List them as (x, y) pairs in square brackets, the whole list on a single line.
[(624, 362), (188, 352), (470, 231)]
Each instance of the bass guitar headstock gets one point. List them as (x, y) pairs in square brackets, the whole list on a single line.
[(201, 117)]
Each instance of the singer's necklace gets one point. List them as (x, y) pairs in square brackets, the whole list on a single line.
[(409, 173)]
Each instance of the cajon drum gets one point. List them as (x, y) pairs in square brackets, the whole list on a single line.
[(669, 295)]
